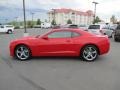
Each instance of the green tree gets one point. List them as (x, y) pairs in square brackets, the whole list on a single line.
[(29, 24), (113, 19), (69, 21), (97, 19), (53, 22), (38, 22)]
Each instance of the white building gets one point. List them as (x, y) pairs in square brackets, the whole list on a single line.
[(61, 16)]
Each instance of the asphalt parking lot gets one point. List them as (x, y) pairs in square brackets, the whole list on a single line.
[(57, 73)]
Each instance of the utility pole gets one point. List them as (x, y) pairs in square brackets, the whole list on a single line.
[(95, 9), (32, 18), (25, 30)]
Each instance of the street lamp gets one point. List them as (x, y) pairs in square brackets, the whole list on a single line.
[(95, 9), (32, 18), (25, 29)]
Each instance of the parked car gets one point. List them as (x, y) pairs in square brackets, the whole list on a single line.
[(117, 33), (101, 29), (7, 29), (61, 42), (107, 30), (83, 27), (65, 26), (71, 26), (96, 29), (45, 25), (37, 26)]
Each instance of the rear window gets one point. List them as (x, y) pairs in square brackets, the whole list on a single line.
[(75, 34), (73, 26), (94, 27)]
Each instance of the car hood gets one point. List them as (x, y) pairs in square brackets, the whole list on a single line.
[(29, 37), (23, 38)]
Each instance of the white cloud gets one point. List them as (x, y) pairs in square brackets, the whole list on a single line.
[(105, 8)]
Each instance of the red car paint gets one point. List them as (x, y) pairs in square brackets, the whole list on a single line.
[(40, 46)]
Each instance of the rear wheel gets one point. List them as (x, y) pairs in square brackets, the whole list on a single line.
[(9, 31), (89, 53), (22, 52), (115, 39)]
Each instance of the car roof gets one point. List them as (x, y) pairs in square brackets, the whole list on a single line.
[(66, 29), (73, 30)]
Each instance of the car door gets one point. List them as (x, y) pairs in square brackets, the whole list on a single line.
[(59, 43)]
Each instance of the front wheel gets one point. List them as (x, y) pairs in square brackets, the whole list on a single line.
[(22, 52), (89, 53)]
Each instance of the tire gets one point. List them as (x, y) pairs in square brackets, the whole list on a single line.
[(9, 31), (22, 52), (112, 35), (115, 39), (89, 53)]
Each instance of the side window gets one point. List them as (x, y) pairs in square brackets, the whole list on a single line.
[(75, 34), (106, 27), (60, 34), (1, 26), (9, 26)]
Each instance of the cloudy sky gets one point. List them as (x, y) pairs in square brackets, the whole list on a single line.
[(105, 8)]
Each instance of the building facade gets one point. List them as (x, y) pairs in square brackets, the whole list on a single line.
[(61, 16)]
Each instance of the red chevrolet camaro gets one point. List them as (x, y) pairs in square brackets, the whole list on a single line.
[(61, 42)]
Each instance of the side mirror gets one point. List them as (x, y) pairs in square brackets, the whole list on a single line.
[(45, 37)]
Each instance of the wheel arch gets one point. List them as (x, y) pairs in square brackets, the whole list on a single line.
[(24, 45), (9, 30), (91, 45)]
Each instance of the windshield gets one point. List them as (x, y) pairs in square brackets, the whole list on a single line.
[(94, 27)]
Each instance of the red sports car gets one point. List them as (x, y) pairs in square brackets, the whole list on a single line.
[(61, 42)]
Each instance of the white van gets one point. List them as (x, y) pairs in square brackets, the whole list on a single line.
[(45, 25), (7, 29)]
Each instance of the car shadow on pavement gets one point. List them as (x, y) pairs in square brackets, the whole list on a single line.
[(55, 58), (58, 58)]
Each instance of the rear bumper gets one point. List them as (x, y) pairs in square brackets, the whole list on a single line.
[(105, 47)]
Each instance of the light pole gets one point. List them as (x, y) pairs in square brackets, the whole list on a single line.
[(25, 29), (32, 18), (95, 9)]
